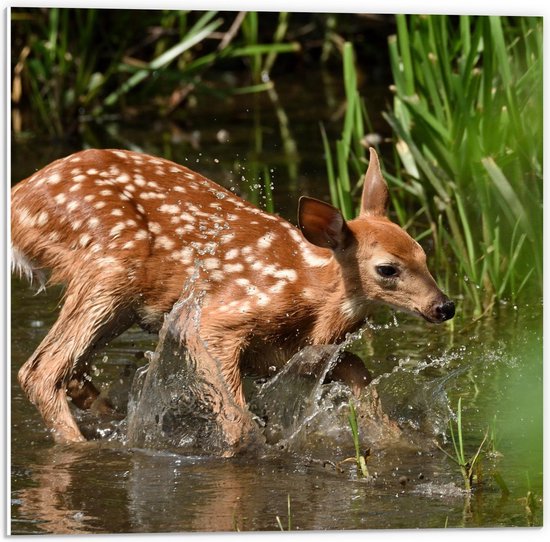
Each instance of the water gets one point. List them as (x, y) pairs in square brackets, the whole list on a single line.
[(148, 480), (419, 372)]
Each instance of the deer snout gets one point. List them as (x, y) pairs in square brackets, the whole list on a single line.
[(444, 310)]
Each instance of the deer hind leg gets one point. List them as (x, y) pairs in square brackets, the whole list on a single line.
[(86, 321)]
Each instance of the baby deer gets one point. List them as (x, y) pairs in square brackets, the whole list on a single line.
[(124, 232)]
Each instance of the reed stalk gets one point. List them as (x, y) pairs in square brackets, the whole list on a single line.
[(467, 117), (88, 63)]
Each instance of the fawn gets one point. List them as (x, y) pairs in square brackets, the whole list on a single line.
[(124, 231)]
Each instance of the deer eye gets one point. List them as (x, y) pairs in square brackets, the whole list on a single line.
[(387, 271)]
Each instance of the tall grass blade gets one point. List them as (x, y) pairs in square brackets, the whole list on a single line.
[(189, 41)]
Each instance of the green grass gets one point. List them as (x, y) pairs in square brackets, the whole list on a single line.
[(359, 457), (346, 168), (467, 465), (289, 517), (467, 164), (467, 117), (86, 63)]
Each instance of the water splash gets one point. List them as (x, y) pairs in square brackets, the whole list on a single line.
[(180, 400)]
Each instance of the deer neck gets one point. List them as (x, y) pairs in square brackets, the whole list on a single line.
[(339, 305)]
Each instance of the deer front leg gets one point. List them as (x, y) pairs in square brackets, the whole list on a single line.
[(216, 360)]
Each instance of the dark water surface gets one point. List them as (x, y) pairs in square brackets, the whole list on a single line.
[(494, 364)]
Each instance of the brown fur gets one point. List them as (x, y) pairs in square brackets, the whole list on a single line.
[(125, 232)]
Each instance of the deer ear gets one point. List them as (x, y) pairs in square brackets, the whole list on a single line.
[(322, 224), (376, 198)]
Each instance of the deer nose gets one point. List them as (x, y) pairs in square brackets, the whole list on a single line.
[(445, 311)]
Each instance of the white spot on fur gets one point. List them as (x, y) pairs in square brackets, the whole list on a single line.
[(60, 198), (151, 195), (266, 240), (115, 172), (116, 229), (85, 238), (92, 171), (110, 262), (136, 158), (88, 197), (185, 255), (25, 217), (72, 205), (288, 274), (233, 267), (216, 276), (227, 238), (278, 287), (54, 178), (42, 218), (311, 259), (296, 235), (79, 178), (232, 254), (178, 188), (170, 209), (187, 217), (263, 299), (164, 242), (123, 178), (128, 245), (154, 227), (117, 212), (211, 263), (245, 307), (141, 234)]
